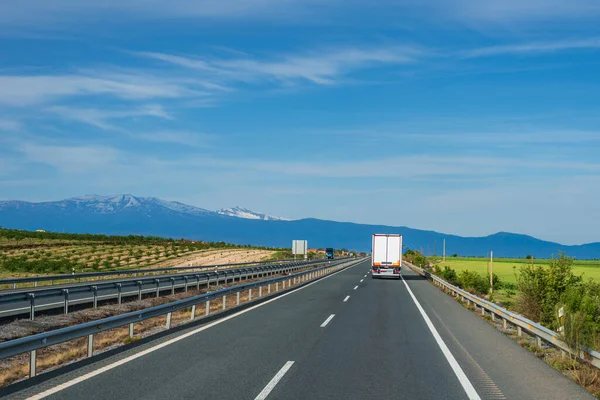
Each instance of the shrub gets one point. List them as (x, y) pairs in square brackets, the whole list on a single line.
[(449, 275), (472, 281)]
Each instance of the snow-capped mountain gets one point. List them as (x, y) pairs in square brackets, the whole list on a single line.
[(96, 204), (241, 212), (110, 204)]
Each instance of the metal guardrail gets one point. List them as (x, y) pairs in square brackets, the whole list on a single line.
[(35, 342), (539, 332), (84, 275), (135, 286)]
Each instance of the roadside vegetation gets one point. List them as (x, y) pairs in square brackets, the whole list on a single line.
[(25, 252), (555, 293), (537, 290)]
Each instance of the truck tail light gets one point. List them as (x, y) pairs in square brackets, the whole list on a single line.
[(396, 271)]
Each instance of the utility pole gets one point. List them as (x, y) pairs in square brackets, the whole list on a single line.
[(491, 272), (444, 258)]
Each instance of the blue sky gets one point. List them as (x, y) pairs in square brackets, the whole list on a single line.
[(464, 117)]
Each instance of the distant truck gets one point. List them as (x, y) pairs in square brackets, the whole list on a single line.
[(386, 256), (329, 253)]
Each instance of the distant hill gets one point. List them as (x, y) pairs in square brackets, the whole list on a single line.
[(126, 214)]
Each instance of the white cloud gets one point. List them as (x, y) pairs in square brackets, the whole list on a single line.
[(321, 67), (72, 159), (100, 117), (535, 48), (9, 125), (66, 14), (191, 139), (28, 90)]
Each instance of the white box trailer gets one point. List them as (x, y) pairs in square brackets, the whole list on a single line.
[(386, 256)]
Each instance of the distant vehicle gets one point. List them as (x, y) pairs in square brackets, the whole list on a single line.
[(386, 256), (329, 253)]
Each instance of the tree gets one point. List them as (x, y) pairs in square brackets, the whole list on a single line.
[(528, 257)]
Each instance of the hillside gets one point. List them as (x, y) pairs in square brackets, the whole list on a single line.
[(124, 215)]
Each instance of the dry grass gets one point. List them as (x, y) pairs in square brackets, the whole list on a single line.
[(17, 368)]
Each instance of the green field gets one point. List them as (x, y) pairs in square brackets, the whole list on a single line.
[(505, 267)]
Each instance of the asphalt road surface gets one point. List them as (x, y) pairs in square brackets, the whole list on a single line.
[(346, 336)]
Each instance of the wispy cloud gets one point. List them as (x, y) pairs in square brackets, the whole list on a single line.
[(534, 48), (71, 159), (27, 90), (100, 117), (320, 67), (191, 139), (58, 13), (9, 125)]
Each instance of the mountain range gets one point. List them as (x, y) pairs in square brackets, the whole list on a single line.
[(127, 214)]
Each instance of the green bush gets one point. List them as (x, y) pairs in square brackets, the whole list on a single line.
[(472, 281), (449, 275), (541, 288)]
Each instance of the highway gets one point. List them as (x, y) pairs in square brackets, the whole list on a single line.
[(346, 336)]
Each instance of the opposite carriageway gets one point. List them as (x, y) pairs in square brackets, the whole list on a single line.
[(32, 300)]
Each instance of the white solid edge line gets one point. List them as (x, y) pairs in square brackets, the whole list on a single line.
[(355, 287), (89, 375), (324, 324), (346, 299), (464, 381), (271, 385)]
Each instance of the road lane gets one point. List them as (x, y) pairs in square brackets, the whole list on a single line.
[(378, 347), (497, 365)]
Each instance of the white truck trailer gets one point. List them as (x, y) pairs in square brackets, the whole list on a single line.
[(386, 256)]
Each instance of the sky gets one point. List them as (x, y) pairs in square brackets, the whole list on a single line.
[(467, 117)]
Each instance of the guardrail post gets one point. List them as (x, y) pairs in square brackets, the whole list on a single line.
[(237, 298), (198, 282), (207, 307), (249, 294), (35, 284), (193, 314), (90, 345), (504, 323), (172, 286), (519, 331), (31, 306), (131, 330), (185, 279), (224, 301), (493, 314), (139, 283), (157, 282), (289, 283), (95, 290), (168, 325), (538, 341), (269, 288), (66, 294), (283, 282), (260, 291), (14, 285), (277, 286), (119, 289), (483, 310), (32, 363)]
